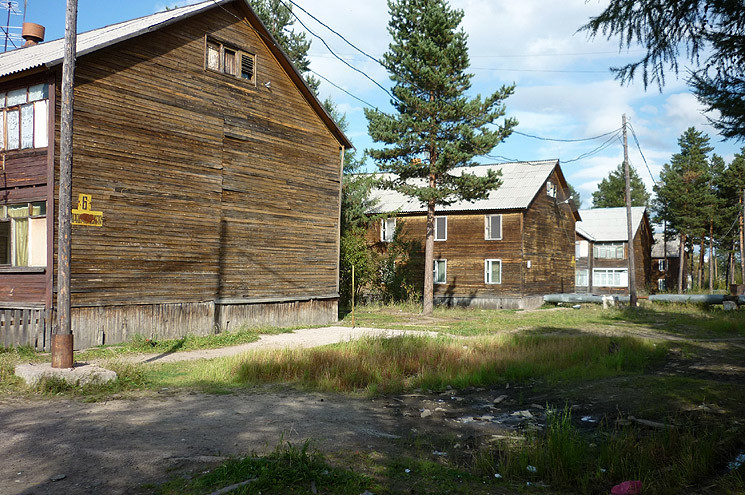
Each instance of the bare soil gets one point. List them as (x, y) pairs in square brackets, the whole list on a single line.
[(120, 445)]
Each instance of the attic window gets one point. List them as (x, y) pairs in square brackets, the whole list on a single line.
[(551, 189), (229, 60)]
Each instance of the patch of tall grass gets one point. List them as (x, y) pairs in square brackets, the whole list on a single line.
[(665, 461), (378, 365)]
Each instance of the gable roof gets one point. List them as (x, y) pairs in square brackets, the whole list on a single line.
[(521, 181), (608, 224), (672, 247), (51, 53)]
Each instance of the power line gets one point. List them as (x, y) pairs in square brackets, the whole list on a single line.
[(335, 55), (600, 148), (567, 140), (641, 153), (342, 89)]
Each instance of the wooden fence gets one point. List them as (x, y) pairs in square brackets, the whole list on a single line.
[(26, 326)]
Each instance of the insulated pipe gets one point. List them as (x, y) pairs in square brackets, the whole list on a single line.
[(669, 298)]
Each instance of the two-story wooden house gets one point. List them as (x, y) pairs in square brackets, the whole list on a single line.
[(505, 251), (666, 263), (206, 173), (602, 252)]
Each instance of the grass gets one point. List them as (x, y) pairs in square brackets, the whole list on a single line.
[(666, 462), (288, 470), (687, 320), (377, 365), (141, 344)]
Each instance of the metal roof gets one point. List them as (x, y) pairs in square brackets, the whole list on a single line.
[(51, 53), (520, 184), (673, 246), (608, 224)]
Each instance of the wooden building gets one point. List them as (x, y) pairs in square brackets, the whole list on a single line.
[(666, 264), (207, 178), (602, 251), (506, 251)]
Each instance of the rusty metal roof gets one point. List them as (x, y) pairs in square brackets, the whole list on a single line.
[(608, 224), (521, 181), (51, 53)]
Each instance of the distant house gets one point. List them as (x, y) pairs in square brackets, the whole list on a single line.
[(506, 251), (666, 263), (206, 178), (602, 250)]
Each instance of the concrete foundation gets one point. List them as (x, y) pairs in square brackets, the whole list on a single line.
[(80, 374)]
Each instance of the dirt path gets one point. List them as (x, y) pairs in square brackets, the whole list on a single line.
[(298, 339)]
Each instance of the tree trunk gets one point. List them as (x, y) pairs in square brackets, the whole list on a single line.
[(429, 262), (742, 237), (681, 265), (700, 273), (711, 256)]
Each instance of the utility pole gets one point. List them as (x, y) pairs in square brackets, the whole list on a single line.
[(62, 340), (632, 273)]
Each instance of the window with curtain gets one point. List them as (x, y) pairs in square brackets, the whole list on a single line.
[(23, 234), (23, 118)]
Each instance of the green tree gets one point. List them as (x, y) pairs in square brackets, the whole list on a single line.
[(278, 18), (732, 185), (574, 194), (611, 191), (712, 34), (435, 127), (683, 192)]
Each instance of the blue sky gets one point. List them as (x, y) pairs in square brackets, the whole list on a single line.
[(564, 88)]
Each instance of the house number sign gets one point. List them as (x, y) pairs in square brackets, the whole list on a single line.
[(84, 215)]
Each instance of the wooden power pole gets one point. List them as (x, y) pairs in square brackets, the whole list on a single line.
[(62, 340), (629, 223)]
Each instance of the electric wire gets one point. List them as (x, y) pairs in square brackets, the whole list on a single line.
[(641, 153), (337, 56), (342, 89), (568, 140)]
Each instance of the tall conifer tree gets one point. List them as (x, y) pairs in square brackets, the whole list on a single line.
[(683, 191), (611, 191), (436, 127)]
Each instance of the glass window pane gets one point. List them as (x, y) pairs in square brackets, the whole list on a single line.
[(18, 211), (20, 242), (2, 99), (38, 209), (440, 228), (13, 124), (4, 243), (16, 97), (213, 56), (496, 275), (37, 242), (40, 124), (27, 126), (38, 92), (2, 129)]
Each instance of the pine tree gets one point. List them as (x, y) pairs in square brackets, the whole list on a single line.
[(683, 191), (611, 191), (575, 195), (435, 127), (731, 191), (712, 34), (278, 19)]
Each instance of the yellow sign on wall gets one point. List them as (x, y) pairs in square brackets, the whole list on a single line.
[(83, 215)]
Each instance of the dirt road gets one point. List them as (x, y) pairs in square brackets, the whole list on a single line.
[(115, 446)]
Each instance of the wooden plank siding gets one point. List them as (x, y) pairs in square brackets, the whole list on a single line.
[(220, 196)]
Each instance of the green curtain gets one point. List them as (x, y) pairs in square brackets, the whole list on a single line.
[(19, 214)]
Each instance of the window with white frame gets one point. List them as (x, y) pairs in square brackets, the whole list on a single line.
[(441, 228), (610, 277), (387, 229), (661, 284), (23, 234), (232, 61), (23, 118), (493, 271), (493, 227), (440, 271), (550, 189), (581, 249), (581, 277), (608, 250), (661, 265)]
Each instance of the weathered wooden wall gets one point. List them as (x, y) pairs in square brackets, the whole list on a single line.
[(548, 243), (25, 325), (211, 187)]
